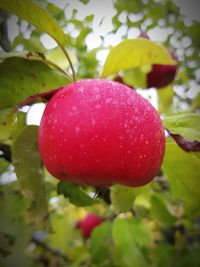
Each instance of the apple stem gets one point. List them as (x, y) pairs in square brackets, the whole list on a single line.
[(70, 62)]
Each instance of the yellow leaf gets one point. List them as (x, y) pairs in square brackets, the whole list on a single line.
[(165, 99), (134, 53)]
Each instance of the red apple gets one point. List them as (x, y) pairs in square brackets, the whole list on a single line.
[(101, 132), (87, 224)]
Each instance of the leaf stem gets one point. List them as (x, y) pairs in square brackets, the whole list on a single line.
[(70, 62)]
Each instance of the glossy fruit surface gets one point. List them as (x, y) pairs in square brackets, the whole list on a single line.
[(101, 132), (88, 224)]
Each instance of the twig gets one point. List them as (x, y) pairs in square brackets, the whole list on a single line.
[(49, 248)]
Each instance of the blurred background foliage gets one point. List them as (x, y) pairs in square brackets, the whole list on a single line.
[(156, 225)]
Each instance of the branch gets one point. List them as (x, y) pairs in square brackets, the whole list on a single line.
[(52, 250)]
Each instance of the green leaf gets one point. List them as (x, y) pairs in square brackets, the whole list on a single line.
[(163, 254), (32, 44), (75, 193), (196, 102), (183, 76), (7, 120), (19, 125), (130, 236), (56, 56), (84, 1), (139, 232), (52, 58), (61, 230), (36, 16), (29, 171), (122, 197), (135, 53), (159, 210), (14, 232), (186, 124), (20, 78), (57, 13), (136, 77), (165, 99), (183, 172), (190, 258), (3, 165), (100, 242)]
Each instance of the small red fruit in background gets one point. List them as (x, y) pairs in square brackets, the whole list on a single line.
[(100, 132), (160, 75), (88, 224)]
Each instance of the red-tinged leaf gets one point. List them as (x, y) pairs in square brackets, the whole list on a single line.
[(134, 53), (185, 144), (119, 79), (46, 96)]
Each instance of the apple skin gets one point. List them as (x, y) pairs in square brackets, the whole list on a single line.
[(88, 224), (100, 132)]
